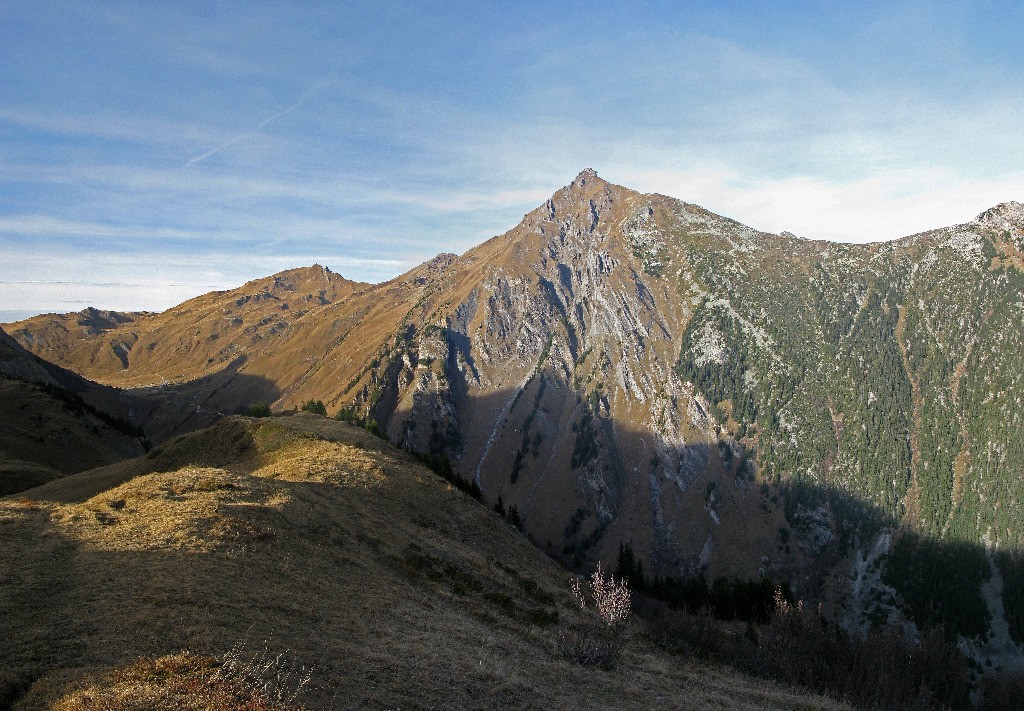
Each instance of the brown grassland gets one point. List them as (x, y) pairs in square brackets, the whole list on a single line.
[(120, 587)]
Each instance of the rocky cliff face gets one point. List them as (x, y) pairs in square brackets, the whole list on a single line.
[(543, 365), (631, 368)]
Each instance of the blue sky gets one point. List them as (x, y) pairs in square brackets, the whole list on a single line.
[(150, 152)]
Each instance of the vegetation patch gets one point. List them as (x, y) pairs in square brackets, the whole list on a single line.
[(920, 569), (185, 681)]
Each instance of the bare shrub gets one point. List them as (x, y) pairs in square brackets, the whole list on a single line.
[(699, 634), (589, 645), (596, 640), (611, 598), (273, 676)]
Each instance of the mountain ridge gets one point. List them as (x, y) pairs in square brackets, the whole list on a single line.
[(630, 368)]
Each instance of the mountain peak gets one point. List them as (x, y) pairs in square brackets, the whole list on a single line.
[(586, 179), (1011, 211)]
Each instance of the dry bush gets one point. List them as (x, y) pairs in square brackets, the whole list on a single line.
[(589, 645), (597, 640), (273, 676), (698, 634)]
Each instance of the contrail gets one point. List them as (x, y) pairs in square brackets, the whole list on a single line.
[(247, 134)]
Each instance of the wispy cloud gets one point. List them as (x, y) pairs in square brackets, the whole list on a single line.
[(111, 126), (331, 193), (157, 133), (154, 281), (46, 225)]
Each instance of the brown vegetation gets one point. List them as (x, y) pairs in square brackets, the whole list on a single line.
[(184, 681), (394, 588)]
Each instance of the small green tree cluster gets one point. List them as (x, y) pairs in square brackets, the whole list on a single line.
[(260, 408), (630, 568), (511, 514), (885, 669), (314, 406), (440, 465), (517, 463), (920, 569), (352, 416)]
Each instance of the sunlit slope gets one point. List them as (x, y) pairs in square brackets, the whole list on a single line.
[(194, 339), (328, 543)]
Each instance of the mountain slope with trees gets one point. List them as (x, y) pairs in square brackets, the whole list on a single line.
[(630, 368)]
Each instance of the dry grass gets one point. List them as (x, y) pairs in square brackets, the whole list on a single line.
[(184, 681), (314, 536)]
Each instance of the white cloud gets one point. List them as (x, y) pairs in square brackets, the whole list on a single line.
[(879, 207)]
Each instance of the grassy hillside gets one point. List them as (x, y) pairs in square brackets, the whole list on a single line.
[(325, 544), (631, 369), (47, 433), (54, 423)]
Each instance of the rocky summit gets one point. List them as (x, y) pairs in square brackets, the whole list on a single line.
[(627, 369)]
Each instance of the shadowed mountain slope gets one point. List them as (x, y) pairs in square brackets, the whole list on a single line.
[(631, 368), (54, 423), (337, 549)]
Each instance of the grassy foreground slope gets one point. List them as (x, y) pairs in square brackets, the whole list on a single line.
[(332, 547)]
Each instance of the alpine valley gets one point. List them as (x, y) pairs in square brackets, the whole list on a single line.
[(629, 372)]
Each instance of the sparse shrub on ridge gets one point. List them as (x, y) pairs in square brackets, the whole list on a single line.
[(597, 640), (260, 408), (315, 407)]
